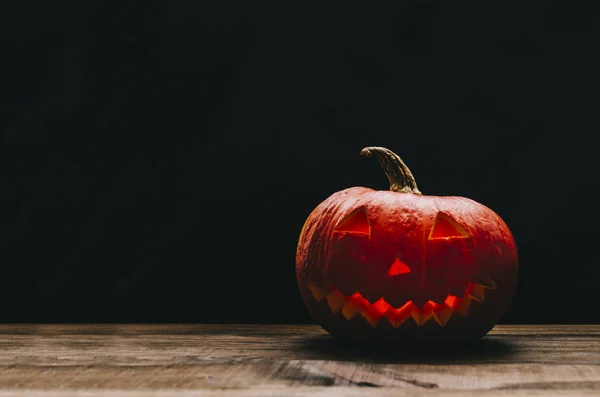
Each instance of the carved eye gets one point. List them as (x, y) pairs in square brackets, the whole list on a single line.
[(445, 227), (398, 267), (356, 223)]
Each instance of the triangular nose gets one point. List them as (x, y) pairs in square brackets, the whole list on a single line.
[(398, 267)]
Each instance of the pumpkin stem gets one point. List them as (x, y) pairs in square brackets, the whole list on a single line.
[(400, 177)]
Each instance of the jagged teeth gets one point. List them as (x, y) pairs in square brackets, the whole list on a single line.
[(350, 310), (373, 312), (319, 291), (336, 301), (373, 320), (476, 291), (461, 306), (399, 316), (442, 314)]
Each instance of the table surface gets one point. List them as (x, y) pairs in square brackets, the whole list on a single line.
[(285, 360)]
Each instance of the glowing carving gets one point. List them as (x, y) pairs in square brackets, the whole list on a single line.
[(398, 267), (355, 304), (445, 227), (356, 223)]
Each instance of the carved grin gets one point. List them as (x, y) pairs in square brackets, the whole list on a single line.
[(444, 232), (355, 304)]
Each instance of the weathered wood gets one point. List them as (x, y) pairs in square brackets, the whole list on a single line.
[(244, 360)]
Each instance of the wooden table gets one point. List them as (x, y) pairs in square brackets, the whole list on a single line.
[(286, 360)]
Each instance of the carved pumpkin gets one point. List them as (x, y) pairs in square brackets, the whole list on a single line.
[(398, 265)]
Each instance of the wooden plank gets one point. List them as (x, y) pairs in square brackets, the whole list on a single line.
[(294, 392), (240, 360)]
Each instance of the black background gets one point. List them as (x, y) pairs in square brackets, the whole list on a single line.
[(158, 159)]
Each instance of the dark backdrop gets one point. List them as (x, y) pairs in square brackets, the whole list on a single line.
[(158, 159)]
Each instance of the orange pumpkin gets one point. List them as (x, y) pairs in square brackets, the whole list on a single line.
[(399, 265)]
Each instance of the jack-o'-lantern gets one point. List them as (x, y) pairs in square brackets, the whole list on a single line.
[(398, 265)]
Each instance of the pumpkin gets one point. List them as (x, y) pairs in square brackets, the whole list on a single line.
[(398, 265)]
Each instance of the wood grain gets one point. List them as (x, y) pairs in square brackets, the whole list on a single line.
[(285, 360)]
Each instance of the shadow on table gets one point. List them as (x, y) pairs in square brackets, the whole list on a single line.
[(325, 347)]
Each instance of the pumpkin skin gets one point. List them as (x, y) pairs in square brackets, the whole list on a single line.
[(398, 266)]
